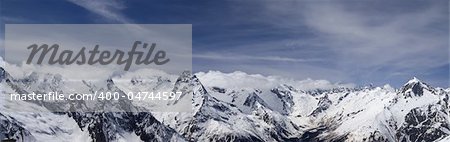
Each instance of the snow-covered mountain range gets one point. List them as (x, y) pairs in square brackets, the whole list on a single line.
[(231, 107)]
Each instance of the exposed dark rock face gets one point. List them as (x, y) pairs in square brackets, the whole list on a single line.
[(424, 124), (105, 126), (12, 130), (324, 104)]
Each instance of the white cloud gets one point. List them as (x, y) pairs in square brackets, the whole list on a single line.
[(240, 80)]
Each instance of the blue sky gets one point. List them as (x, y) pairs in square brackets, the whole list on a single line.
[(357, 42)]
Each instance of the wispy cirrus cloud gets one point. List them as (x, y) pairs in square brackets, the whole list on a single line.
[(366, 42), (109, 9), (237, 57), (376, 43)]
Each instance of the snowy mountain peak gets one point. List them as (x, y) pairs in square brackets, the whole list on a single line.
[(414, 79), (415, 87)]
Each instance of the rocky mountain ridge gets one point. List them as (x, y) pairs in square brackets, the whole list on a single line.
[(276, 112)]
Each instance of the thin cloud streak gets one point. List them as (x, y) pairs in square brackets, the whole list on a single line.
[(246, 58), (109, 9)]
